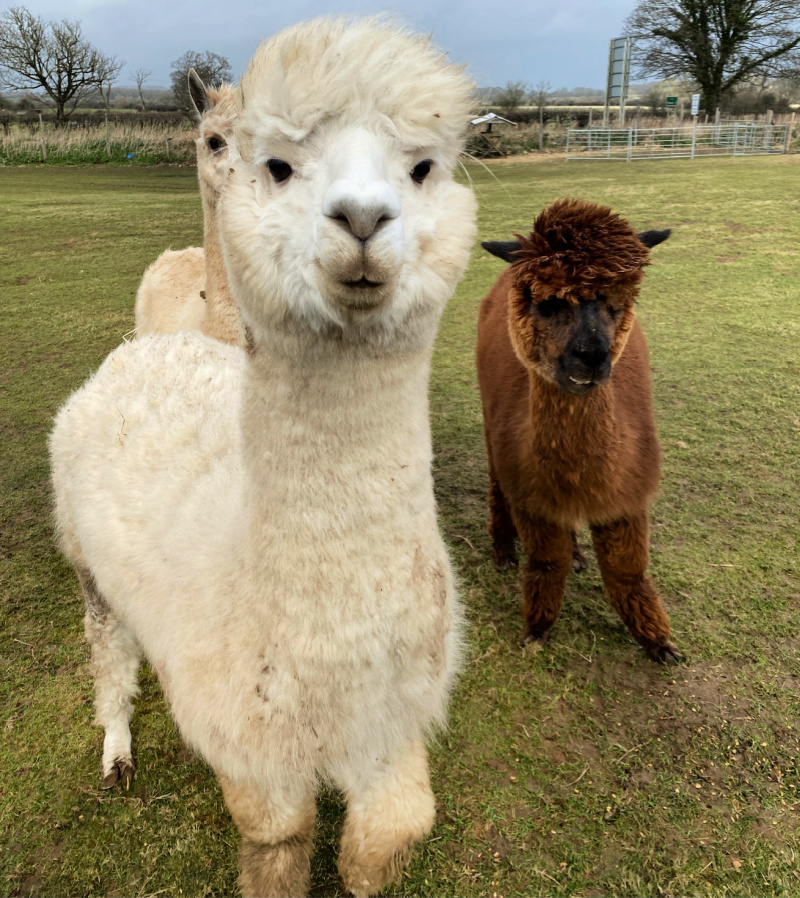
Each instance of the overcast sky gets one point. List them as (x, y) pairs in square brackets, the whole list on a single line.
[(564, 42)]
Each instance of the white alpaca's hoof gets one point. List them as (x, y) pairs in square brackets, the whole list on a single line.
[(122, 771)]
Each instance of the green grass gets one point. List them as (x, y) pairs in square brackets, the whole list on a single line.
[(584, 770)]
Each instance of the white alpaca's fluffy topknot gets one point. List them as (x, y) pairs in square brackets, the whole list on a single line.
[(331, 67)]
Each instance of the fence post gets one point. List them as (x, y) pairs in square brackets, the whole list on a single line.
[(630, 143), (566, 159), (789, 129), (41, 135), (167, 141), (108, 138), (694, 134)]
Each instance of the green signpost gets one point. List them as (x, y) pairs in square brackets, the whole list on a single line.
[(672, 101)]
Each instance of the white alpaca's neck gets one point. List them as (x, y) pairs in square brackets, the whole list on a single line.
[(222, 315), (337, 448)]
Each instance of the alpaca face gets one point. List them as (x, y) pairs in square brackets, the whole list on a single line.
[(575, 281), (342, 216), (569, 341), (215, 142)]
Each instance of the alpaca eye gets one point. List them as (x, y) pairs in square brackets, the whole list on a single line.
[(421, 171), (279, 169), (552, 306), (603, 300), (214, 144)]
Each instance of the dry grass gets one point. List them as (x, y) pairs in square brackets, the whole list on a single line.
[(122, 142)]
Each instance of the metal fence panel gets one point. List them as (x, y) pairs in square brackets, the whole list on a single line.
[(627, 144)]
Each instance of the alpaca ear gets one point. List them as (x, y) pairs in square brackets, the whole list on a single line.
[(197, 91), (503, 249), (653, 238)]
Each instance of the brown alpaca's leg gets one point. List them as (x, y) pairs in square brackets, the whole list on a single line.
[(502, 531), (277, 831), (623, 553), (549, 550), (579, 562), (390, 807)]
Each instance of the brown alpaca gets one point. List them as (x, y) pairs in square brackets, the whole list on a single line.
[(570, 435)]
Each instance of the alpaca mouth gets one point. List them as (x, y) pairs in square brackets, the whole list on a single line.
[(362, 295), (362, 284), (580, 385)]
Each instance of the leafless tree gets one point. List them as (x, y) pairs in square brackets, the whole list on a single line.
[(512, 96), (654, 97), (211, 67), (718, 43), (141, 75), (52, 56)]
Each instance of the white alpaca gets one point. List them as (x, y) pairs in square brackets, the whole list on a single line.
[(188, 289), (263, 527)]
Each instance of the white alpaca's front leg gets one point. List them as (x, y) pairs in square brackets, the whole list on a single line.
[(389, 809), (277, 830), (115, 666)]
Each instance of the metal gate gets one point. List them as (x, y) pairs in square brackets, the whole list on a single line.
[(627, 144)]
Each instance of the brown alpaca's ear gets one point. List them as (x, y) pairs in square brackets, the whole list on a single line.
[(653, 238), (504, 250), (197, 91)]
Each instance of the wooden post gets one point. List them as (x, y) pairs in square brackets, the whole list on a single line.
[(108, 138), (167, 142), (541, 129), (41, 135), (788, 139), (590, 117), (694, 134)]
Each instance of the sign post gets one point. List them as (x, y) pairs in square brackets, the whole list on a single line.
[(619, 71), (695, 110)]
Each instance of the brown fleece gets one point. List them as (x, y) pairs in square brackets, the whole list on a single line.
[(559, 459)]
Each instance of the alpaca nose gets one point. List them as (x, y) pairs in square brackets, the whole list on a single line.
[(361, 208), (594, 356)]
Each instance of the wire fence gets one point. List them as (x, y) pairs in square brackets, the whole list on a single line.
[(627, 144)]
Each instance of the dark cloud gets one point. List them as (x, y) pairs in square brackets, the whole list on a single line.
[(565, 43)]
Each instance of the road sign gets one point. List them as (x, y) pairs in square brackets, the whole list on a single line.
[(695, 104), (672, 101)]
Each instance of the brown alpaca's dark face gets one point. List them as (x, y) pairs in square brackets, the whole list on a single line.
[(575, 282), (570, 342)]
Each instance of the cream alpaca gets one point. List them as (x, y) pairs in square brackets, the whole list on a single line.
[(188, 289), (264, 526)]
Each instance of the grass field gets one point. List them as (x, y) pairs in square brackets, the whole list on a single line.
[(584, 770)]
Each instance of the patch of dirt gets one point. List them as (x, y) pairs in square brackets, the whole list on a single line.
[(728, 260), (710, 684), (525, 157), (20, 282), (32, 884), (736, 227)]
